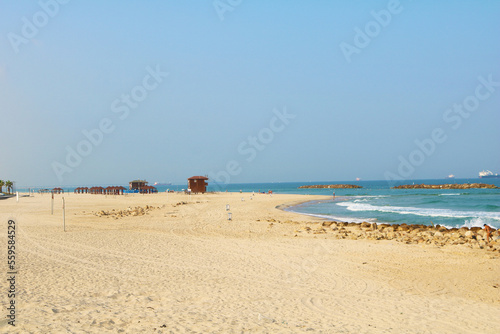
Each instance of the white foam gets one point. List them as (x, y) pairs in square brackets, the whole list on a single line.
[(478, 222), (449, 194), (352, 206)]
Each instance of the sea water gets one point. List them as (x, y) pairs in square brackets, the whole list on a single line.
[(378, 202)]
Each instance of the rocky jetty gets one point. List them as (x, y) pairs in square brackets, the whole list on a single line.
[(331, 186), (447, 186), (474, 237)]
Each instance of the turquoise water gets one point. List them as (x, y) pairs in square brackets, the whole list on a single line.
[(377, 202)]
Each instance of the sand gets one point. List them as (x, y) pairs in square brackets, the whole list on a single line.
[(188, 269)]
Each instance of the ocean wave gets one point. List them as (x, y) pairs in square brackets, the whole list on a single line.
[(474, 222), (352, 206), (450, 194)]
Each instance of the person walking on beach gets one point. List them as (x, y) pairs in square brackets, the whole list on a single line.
[(488, 232)]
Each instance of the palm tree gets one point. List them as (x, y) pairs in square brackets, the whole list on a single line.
[(9, 184), (2, 183)]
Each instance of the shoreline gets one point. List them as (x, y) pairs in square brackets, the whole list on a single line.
[(370, 229), (322, 217)]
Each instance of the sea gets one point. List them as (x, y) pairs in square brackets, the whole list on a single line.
[(377, 202)]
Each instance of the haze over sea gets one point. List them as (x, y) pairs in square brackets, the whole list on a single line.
[(377, 202)]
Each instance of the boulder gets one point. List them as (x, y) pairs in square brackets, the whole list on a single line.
[(469, 234)]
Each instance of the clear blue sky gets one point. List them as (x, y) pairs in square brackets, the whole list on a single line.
[(231, 67)]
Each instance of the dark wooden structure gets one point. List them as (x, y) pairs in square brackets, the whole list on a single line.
[(96, 190), (148, 190), (57, 191), (198, 184), (81, 190), (114, 190), (137, 184)]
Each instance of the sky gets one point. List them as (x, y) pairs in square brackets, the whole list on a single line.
[(104, 92)]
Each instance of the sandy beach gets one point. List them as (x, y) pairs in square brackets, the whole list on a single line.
[(178, 265)]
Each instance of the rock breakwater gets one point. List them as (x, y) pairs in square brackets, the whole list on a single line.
[(440, 236), (331, 186), (448, 186)]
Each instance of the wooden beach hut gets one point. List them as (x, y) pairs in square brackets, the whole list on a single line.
[(137, 184), (198, 184), (96, 190), (114, 190), (148, 190), (81, 190), (57, 191)]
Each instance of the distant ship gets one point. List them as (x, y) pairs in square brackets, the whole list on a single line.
[(157, 184), (451, 176), (486, 174)]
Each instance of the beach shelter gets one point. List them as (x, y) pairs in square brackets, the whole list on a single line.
[(96, 190), (114, 190), (137, 184), (81, 190), (148, 190), (198, 184), (57, 191)]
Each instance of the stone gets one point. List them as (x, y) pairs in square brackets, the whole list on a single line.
[(331, 186), (469, 234), (447, 186)]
